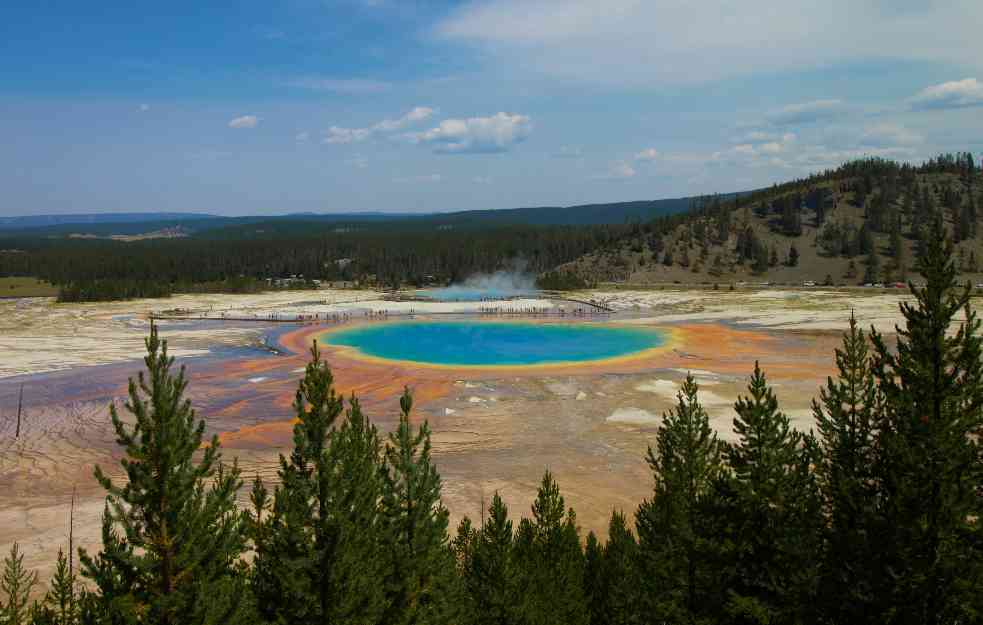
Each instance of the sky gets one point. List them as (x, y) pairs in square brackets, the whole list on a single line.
[(263, 107)]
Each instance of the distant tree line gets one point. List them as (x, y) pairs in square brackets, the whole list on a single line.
[(872, 518), (386, 256)]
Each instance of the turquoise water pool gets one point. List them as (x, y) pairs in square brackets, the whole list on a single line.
[(495, 343), (469, 294)]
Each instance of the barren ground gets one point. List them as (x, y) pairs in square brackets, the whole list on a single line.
[(493, 430)]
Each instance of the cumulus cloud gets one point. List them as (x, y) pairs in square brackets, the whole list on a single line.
[(246, 121), (949, 95), (648, 154), (341, 135), (644, 43), (887, 134), (807, 112), (350, 86), (756, 154), (475, 135), (621, 170)]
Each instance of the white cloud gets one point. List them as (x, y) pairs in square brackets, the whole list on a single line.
[(639, 42), (246, 121), (475, 135), (649, 154), (144, 108), (620, 170), (429, 178), (886, 135), (349, 86), (341, 135), (302, 137), (807, 112), (481, 180), (358, 162), (948, 95)]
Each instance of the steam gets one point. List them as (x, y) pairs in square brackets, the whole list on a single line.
[(503, 284)]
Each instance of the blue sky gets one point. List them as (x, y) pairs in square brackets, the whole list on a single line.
[(414, 105)]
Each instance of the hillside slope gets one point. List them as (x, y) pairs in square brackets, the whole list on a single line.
[(861, 223)]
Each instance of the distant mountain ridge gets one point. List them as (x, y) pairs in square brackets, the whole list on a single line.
[(129, 223), (41, 221)]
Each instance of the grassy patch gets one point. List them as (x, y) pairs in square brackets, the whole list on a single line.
[(26, 287)]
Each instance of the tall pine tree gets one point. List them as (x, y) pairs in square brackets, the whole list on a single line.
[(172, 536), (775, 512), (551, 561), (846, 416), (929, 459), (672, 546), (421, 586)]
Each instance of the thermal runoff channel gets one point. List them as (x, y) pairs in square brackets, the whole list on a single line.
[(454, 343)]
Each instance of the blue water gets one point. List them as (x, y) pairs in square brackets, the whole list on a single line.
[(495, 343), (469, 294)]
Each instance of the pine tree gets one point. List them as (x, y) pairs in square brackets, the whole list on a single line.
[(490, 575), (929, 463), (420, 586), (16, 584), (594, 581), (775, 511), (61, 605), (846, 416), (180, 535), (358, 559), (551, 561), (685, 465), (614, 593), (321, 552), (873, 272), (851, 270)]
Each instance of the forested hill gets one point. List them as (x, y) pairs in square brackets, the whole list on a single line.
[(864, 222)]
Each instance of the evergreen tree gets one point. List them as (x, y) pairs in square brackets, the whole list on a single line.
[(611, 575), (61, 605), (181, 536), (672, 556), (358, 559), (551, 561), (851, 270), (619, 574), (420, 586), (846, 416), (594, 590), (491, 576), (292, 568), (873, 272), (775, 512), (16, 584), (793, 256), (929, 462)]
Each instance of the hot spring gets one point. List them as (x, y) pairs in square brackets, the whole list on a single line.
[(474, 294), (483, 344)]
